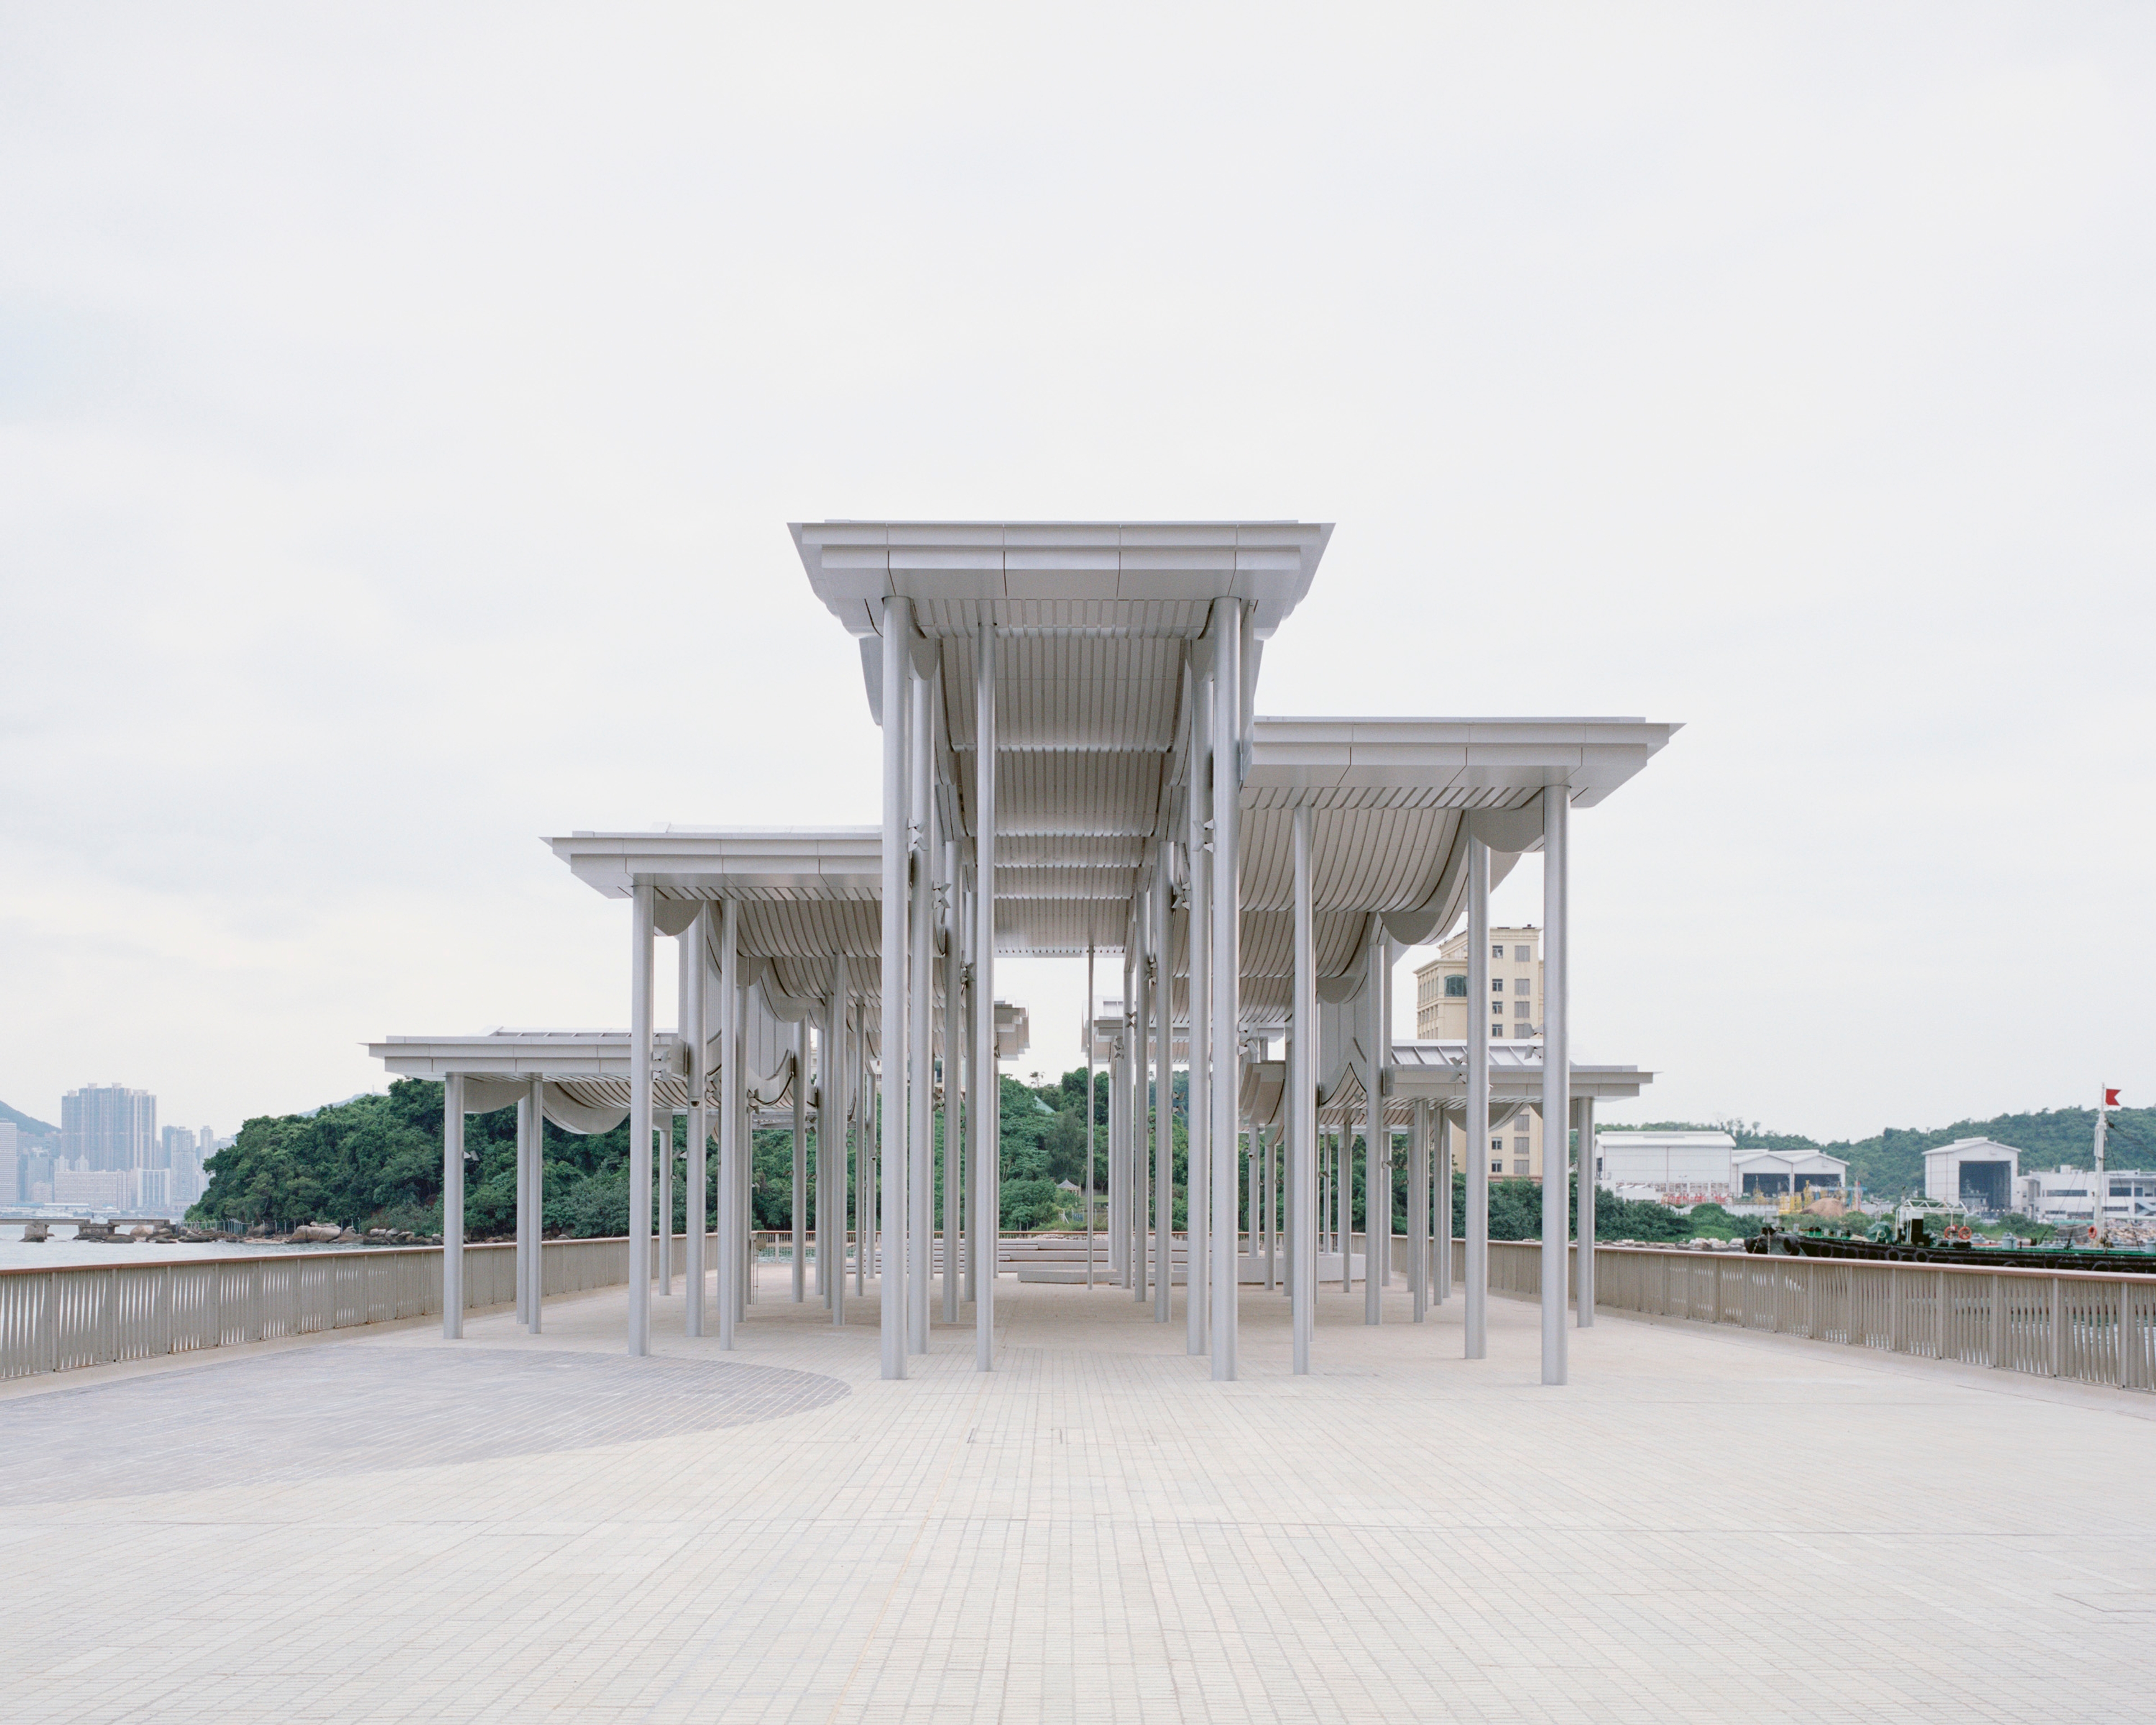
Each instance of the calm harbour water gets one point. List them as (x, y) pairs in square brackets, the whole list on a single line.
[(63, 1252)]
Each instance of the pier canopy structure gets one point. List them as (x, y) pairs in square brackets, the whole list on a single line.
[(1073, 762), (1073, 765)]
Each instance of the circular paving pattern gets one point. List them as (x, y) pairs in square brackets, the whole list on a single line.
[(312, 1412)]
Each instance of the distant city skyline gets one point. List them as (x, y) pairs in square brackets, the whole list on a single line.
[(108, 1153)]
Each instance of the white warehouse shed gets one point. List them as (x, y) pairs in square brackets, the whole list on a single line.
[(1676, 1164), (1694, 1167), (1760, 1174), (1975, 1172)]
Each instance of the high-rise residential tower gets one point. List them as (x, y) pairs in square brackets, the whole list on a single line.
[(104, 1127)]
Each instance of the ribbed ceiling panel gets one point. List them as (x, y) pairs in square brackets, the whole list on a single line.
[(1115, 884), (1058, 927), (1082, 795), (1266, 945), (1070, 691), (1185, 618), (1389, 796), (782, 931), (810, 978), (1364, 859), (1066, 851)]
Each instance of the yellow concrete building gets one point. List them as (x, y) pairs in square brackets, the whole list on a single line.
[(1514, 1013)]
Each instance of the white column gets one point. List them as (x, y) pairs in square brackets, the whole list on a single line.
[(1303, 1109), (891, 1023), (683, 981), (864, 1097), (537, 1296), (1557, 1082), (695, 1030), (745, 1145), (1163, 1113), (833, 1104), (639, 1122), (1226, 992), (1444, 1216), (921, 1018), (1478, 1232), (954, 982), (1197, 1135), (1376, 1141), (523, 1209), (1419, 1209), (1141, 1104), (452, 1206), (731, 1089), (1119, 1105), (1583, 1121), (975, 1150), (1092, 1006), (800, 1161), (1344, 1197), (988, 1195)]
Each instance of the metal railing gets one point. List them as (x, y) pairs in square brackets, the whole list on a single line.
[(94, 1314), (2079, 1325)]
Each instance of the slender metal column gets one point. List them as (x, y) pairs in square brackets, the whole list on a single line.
[(745, 1144), (1344, 1197), (1583, 1298), (921, 1018), (522, 1208), (731, 1089), (1163, 1111), (864, 1095), (988, 1194), (1303, 1212), (453, 1207), (1226, 955), (1143, 1105), (891, 1023), (1092, 1006), (1119, 1108), (1445, 1213), (1476, 1325), (1557, 1082), (1376, 1141), (683, 982), (1197, 1135), (954, 982), (800, 1193), (1419, 1209), (639, 1121), (663, 1128), (536, 1298), (695, 1027), (1272, 1143), (1264, 1146), (976, 1148), (834, 1106)]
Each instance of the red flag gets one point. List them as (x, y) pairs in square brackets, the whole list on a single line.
[(2111, 1099)]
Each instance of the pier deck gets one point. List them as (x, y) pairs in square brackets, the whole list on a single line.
[(384, 1525)]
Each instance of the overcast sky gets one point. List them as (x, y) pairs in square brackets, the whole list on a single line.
[(401, 408)]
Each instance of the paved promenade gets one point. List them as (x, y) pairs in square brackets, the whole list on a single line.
[(1704, 1526)]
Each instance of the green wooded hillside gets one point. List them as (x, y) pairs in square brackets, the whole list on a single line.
[(375, 1161)]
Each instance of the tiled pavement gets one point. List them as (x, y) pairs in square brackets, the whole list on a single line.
[(1703, 1526)]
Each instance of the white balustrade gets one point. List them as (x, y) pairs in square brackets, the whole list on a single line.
[(2082, 1324), (93, 1314)]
